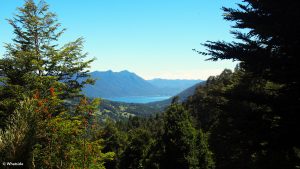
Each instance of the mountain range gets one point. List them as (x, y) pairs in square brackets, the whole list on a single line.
[(111, 84)]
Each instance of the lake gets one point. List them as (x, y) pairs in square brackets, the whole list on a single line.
[(138, 99)]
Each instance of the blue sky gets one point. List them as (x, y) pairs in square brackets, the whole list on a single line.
[(153, 38)]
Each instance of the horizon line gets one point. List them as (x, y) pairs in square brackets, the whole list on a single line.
[(149, 78)]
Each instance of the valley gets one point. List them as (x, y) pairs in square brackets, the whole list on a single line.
[(151, 103)]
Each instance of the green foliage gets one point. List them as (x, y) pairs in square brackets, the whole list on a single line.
[(205, 156), (179, 139), (136, 151), (229, 106), (38, 128), (67, 140), (15, 141), (205, 105), (35, 62), (256, 118), (114, 141), (153, 142), (133, 142)]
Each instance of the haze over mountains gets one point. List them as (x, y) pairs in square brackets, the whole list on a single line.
[(173, 86), (111, 84)]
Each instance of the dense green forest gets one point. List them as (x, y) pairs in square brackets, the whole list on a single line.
[(242, 119)]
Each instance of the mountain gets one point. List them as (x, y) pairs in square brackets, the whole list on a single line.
[(173, 87), (119, 84), (111, 84), (182, 97)]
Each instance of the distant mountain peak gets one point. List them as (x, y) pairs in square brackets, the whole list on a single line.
[(125, 71)]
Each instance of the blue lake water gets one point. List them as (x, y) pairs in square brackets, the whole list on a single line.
[(139, 99)]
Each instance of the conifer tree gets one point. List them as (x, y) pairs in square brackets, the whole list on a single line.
[(34, 62), (36, 68), (179, 139), (114, 141), (135, 153), (205, 156), (260, 121)]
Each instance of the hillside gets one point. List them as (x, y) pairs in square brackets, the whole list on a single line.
[(119, 110), (182, 97)]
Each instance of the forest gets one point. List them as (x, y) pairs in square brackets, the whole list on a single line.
[(247, 118)]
